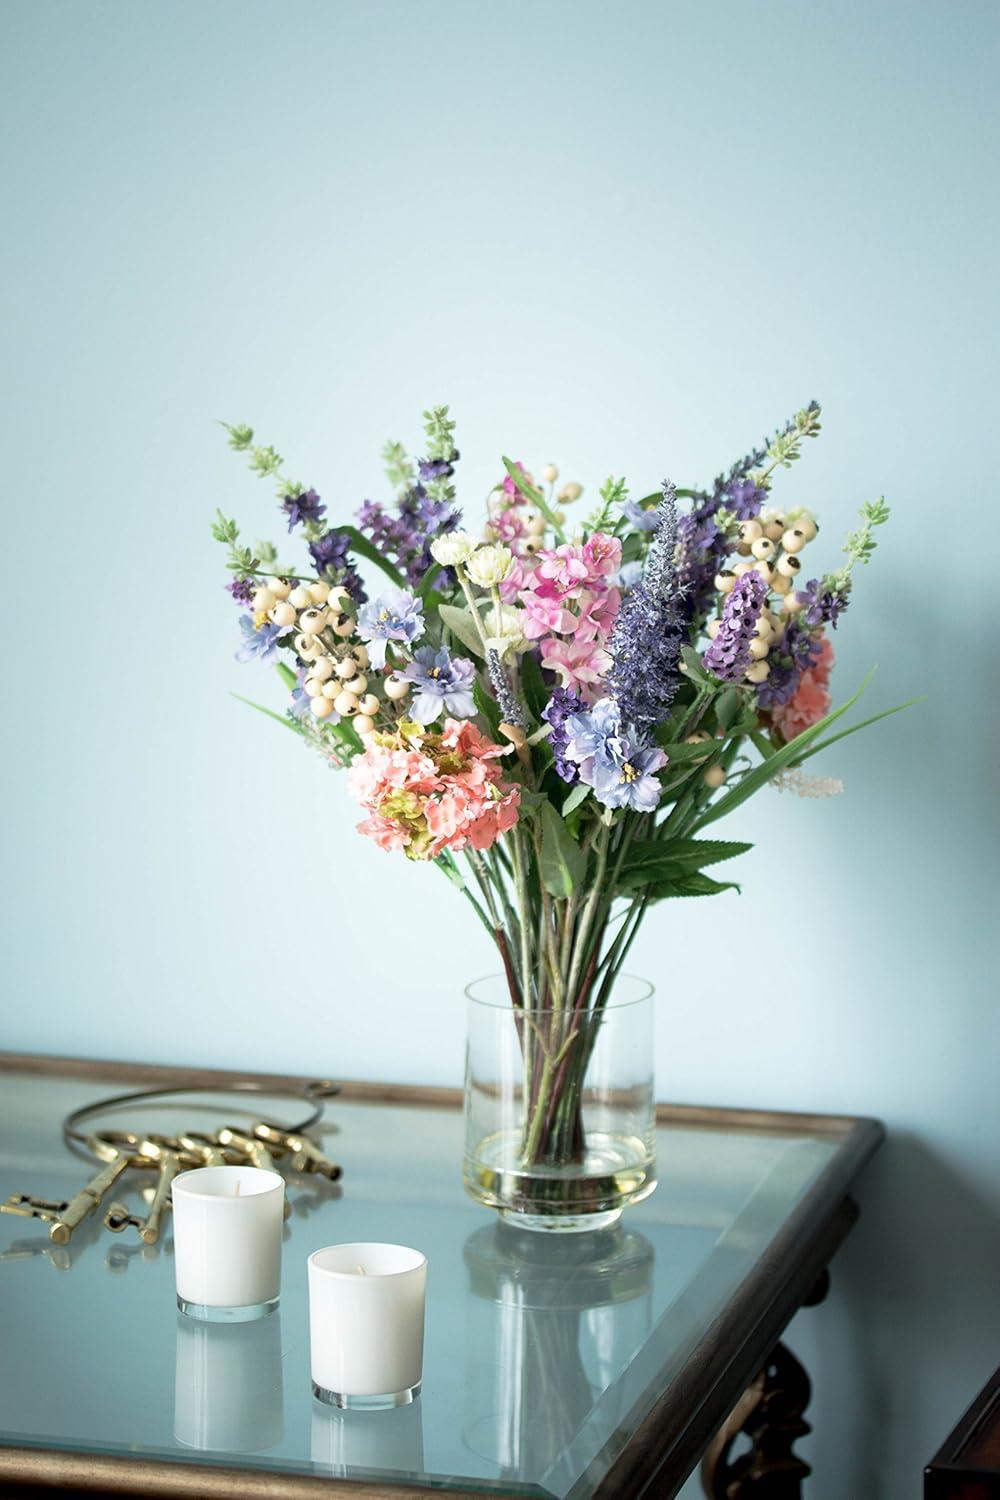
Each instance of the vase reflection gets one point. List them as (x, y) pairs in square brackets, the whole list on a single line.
[(552, 1322), (346, 1442), (227, 1390)]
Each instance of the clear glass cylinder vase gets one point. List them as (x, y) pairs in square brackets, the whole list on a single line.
[(559, 1107)]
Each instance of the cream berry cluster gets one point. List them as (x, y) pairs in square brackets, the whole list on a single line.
[(769, 544), (335, 680)]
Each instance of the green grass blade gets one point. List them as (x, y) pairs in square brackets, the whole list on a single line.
[(278, 718)]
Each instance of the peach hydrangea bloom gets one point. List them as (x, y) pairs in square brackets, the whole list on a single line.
[(427, 792)]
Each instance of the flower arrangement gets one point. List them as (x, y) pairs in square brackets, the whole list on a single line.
[(553, 711)]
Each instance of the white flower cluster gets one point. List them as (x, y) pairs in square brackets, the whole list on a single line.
[(801, 785)]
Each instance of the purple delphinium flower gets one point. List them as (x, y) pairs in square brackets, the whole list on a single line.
[(787, 660), (443, 685), (404, 535), (305, 506), (650, 629), (728, 656), (562, 705), (396, 615), (258, 645), (242, 589), (614, 758), (703, 544), (431, 469), (329, 553), (822, 602)]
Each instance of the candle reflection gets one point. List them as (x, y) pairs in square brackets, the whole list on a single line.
[(390, 1441), (553, 1321), (227, 1390)]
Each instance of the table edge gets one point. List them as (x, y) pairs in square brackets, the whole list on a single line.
[(434, 1096)]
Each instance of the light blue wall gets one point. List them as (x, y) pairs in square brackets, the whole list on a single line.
[(623, 237)]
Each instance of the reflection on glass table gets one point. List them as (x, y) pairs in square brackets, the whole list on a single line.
[(543, 1355)]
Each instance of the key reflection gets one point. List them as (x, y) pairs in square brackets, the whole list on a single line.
[(227, 1388), (553, 1321), (390, 1441)]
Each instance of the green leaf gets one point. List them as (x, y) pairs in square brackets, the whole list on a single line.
[(650, 861), (536, 694), (427, 583), (363, 547), (843, 733), (579, 794), (526, 488), (695, 667), (728, 706), (462, 625), (563, 864), (793, 751), (287, 676), (487, 707), (278, 718), (691, 885)]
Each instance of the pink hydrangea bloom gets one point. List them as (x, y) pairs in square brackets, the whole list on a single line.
[(427, 792), (811, 701)]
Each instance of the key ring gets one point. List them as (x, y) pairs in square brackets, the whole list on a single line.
[(313, 1093)]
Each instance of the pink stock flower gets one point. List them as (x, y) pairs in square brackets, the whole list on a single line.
[(427, 792), (543, 615), (580, 664), (811, 700), (602, 554), (561, 572)]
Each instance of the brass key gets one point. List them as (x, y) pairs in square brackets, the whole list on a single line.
[(306, 1155), (65, 1216), (253, 1149), (151, 1152)]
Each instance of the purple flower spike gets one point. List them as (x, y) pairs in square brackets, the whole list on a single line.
[(728, 656), (305, 506)]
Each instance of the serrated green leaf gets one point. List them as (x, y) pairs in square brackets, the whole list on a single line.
[(650, 862), (691, 885), (462, 625), (563, 864)]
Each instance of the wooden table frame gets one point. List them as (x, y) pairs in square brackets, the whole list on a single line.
[(686, 1415)]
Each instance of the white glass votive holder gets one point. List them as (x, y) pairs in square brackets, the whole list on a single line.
[(366, 1324), (227, 1242)]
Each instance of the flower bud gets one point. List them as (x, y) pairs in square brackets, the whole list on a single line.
[(550, 473)]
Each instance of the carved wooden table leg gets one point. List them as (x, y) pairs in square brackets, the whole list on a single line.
[(769, 1415)]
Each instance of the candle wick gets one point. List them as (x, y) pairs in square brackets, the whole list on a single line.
[(238, 1187), (361, 1270)]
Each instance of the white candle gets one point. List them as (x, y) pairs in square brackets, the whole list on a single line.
[(227, 1242), (227, 1387), (366, 1324)]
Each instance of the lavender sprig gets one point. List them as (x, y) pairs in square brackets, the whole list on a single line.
[(650, 629), (510, 710), (728, 656)]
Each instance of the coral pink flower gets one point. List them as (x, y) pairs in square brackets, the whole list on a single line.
[(431, 791), (811, 700)]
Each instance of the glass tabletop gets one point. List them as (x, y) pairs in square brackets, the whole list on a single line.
[(543, 1352)]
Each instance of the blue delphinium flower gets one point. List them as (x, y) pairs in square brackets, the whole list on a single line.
[(650, 629), (441, 683), (258, 644), (563, 705), (614, 757), (641, 518), (305, 506), (396, 615)]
